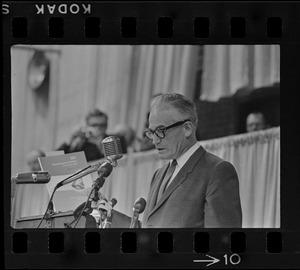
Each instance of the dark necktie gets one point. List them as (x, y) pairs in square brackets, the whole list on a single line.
[(167, 178)]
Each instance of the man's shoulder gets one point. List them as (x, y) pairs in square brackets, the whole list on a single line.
[(210, 157), (206, 160), (217, 163), (202, 156)]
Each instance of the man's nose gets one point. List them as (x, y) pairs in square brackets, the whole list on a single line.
[(155, 139)]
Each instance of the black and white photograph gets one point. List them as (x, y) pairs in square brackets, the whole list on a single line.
[(145, 136)]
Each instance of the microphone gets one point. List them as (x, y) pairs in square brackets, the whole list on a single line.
[(107, 223), (138, 208), (113, 202), (103, 171), (98, 183), (36, 177), (112, 149), (105, 210)]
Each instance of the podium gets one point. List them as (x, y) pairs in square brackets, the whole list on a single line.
[(58, 220)]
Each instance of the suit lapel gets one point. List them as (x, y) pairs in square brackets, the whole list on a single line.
[(177, 181), (180, 177), (154, 191)]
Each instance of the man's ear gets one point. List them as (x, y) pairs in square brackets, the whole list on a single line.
[(188, 128)]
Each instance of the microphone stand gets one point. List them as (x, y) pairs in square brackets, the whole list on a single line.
[(95, 188), (81, 213), (95, 197), (138, 208), (135, 218), (49, 212)]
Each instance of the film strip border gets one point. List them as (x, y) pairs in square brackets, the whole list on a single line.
[(133, 242), (130, 22), (54, 22), (128, 27), (157, 248)]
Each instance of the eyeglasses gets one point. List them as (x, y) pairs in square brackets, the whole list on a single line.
[(98, 125), (160, 131)]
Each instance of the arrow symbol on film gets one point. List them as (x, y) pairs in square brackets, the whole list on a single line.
[(213, 260)]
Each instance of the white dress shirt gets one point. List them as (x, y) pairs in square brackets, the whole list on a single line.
[(183, 159)]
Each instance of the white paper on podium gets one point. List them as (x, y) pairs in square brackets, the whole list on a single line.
[(69, 196)]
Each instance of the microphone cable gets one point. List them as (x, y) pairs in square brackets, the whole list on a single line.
[(55, 188), (95, 188), (49, 203), (72, 175), (81, 213)]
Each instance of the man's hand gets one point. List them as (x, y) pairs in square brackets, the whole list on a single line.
[(77, 140)]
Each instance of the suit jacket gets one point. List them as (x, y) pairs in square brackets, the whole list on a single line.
[(204, 194)]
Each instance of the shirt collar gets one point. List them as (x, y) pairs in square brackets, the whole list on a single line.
[(186, 155)]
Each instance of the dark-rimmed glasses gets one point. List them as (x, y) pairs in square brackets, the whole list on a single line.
[(98, 125), (160, 131)]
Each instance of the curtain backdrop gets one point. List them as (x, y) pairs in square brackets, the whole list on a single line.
[(118, 79), (226, 68), (256, 157)]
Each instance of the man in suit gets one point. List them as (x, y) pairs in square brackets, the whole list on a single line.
[(200, 189)]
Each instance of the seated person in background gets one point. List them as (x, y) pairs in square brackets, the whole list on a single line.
[(32, 159), (89, 139), (256, 121), (145, 143), (122, 130)]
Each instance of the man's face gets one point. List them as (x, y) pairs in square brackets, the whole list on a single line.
[(97, 125), (175, 142), (255, 122)]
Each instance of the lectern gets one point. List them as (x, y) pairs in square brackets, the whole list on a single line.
[(59, 220)]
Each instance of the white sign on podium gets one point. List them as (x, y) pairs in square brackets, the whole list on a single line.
[(69, 196)]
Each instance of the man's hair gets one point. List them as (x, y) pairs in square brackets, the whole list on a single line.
[(97, 113), (257, 112), (180, 103)]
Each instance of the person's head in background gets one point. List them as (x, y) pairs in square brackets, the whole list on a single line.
[(32, 159), (126, 131), (255, 121), (96, 122)]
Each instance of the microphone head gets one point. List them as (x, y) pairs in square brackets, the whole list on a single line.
[(112, 148), (113, 202), (139, 205), (105, 169), (35, 177)]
